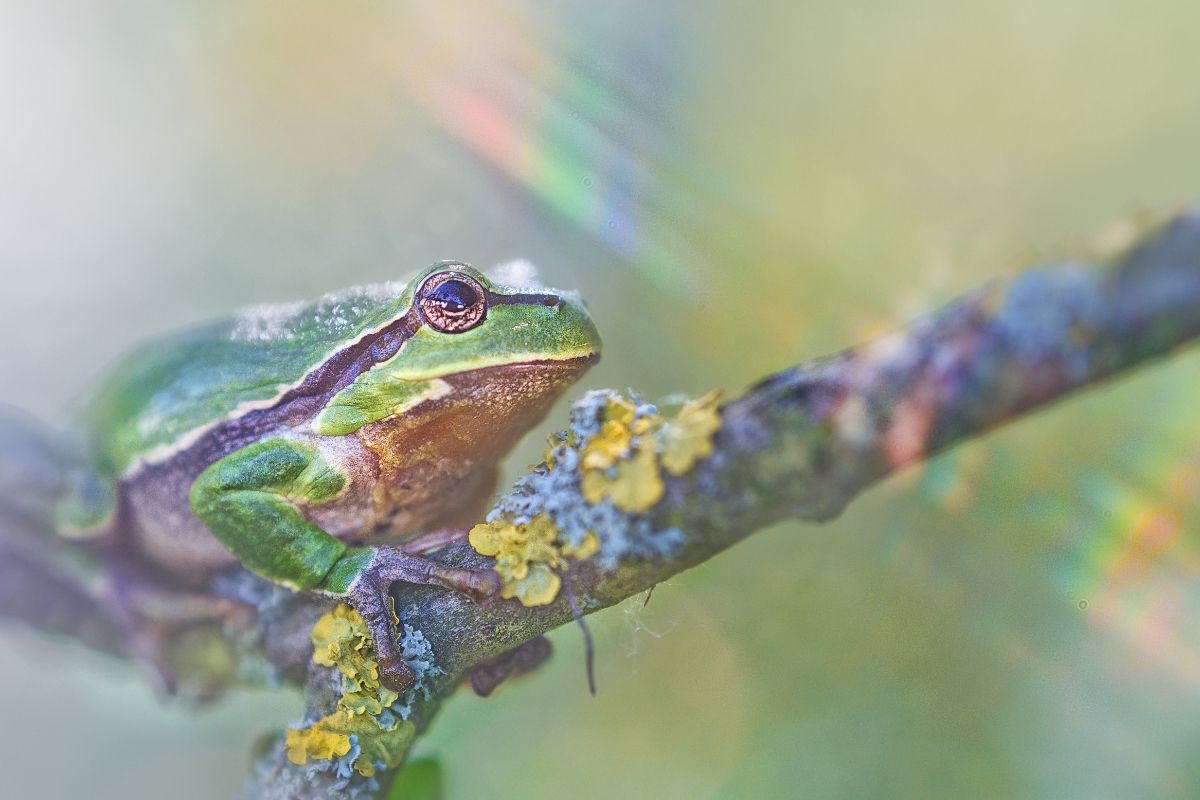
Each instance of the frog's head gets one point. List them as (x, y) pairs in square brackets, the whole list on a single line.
[(469, 363), (467, 322)]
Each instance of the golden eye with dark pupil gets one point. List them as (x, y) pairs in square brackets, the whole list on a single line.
[(453, 304)]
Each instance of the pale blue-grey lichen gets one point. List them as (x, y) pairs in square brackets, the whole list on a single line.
[(1053, 313), (418, 653)]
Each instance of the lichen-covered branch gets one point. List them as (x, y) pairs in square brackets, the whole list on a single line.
[(632, 498), (802, 443)]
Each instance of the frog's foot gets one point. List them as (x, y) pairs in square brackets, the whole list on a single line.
[(373, 603), (368, 593), (522, 659), (151, 617)]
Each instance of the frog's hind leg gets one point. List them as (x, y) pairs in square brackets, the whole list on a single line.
[(45, 580), (83, 589), (164, 628), (45, 475), (32, 468), (38, 588), (521, 660)]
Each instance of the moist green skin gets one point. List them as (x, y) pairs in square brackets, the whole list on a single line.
[(285, 438), (252, 489)]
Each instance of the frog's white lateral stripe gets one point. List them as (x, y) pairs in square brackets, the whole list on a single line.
[(165, 451), (438, 388)]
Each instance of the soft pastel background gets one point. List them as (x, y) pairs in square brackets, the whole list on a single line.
[(733, 187)]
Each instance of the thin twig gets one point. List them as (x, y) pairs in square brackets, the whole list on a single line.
[(588, 645)]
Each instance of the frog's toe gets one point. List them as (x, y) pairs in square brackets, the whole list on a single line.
[(396, 675), (484, 585), (392, 564)]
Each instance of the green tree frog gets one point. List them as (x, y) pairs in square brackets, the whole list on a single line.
[(309, 442)]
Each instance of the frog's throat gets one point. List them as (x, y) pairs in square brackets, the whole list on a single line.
[(451, 445)]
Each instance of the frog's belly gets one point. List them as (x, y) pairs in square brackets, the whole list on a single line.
[(159, 523)]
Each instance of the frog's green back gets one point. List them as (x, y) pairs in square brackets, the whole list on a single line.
[(171, 388)]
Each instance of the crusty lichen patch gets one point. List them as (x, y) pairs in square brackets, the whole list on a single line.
[(362, 719), (590, 496), (687, 438), (624, 461), (620, 462), (527, 554)]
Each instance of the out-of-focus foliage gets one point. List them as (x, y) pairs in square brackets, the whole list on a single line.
[(733, 191)]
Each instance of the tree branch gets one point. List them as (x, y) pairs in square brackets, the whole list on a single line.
[(804, 442)]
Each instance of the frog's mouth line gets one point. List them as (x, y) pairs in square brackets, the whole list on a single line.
[(576, 366)]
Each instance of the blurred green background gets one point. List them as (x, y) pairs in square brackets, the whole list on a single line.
[(733, 188)]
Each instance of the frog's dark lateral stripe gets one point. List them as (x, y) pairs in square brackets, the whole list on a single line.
[(548, 300), (336, 373), (343, 368)]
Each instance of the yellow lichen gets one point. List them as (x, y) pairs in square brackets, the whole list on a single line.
[(688, 438), (341, 639), (330, 738), (527, 555), (589, 547), (380, 744), (618, 409), (516, 546), (316, 742), (358, 702), (553, 440), (622, 461), (539, 587), (338, 639), (610, 444), (636, 486)]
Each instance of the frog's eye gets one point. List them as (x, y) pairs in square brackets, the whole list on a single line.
[(452, 302)]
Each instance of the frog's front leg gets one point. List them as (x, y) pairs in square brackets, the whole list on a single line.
[(362, 578), (248, 500)]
